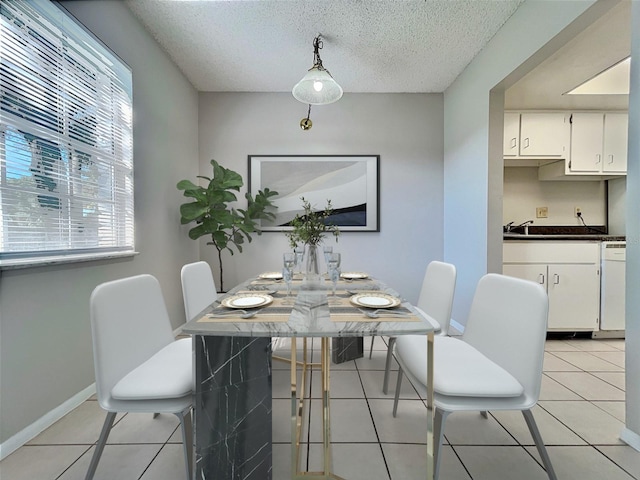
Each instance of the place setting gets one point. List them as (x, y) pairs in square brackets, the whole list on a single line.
[(371, 306), (267, 278), (351, 276), (249, 306)]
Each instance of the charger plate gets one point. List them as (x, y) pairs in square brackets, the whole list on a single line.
[(375, 300), (271, 276), (247, 300), (354, 275)]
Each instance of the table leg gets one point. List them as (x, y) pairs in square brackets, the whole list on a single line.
[(297, 402), (232, 407), (297, 413), (326, 408), (347, 348), (430, 409)]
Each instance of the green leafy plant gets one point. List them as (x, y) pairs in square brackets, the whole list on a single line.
[(311, 227), (227, 226)]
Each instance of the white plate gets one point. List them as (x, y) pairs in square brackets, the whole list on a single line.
[(247, 300), (354, 275), (271, 275), (375, 300)]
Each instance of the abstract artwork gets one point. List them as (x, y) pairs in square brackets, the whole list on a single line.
[(349, 181)]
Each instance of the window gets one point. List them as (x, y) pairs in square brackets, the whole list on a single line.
[(66, 146)]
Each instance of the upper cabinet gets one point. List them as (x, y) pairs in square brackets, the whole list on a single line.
[(567, 145), (616, 135), (544, 134), (511, 134), (598, 143), (536, 135)]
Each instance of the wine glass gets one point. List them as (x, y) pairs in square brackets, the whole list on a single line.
[(299, 253), (333, 266), (287, 275), (327, 251), (289, 260)]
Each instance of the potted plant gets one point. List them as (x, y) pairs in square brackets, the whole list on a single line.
[(209, 209), (309, 229)]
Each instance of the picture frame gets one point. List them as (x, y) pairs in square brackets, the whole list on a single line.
[(351, 182)]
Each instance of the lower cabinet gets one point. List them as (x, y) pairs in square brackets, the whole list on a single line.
[(573, 287)]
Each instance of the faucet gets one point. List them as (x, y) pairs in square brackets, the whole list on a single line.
[(507, 227), (525, 226)]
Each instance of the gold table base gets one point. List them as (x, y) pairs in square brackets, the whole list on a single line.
[(297, 410)]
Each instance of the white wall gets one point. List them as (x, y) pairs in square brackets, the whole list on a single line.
[(523, 193), (473, 177), (46, 355), (473, 146), (632, 356), (617, 200), (404, 129)]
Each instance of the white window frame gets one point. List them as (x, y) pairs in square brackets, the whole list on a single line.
[(66, 140)]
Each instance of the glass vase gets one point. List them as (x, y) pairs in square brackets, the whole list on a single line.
[(312, 272)]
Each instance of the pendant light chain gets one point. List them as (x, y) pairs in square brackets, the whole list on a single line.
[(317, 46), (306, 123)]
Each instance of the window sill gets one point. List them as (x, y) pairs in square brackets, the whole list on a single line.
[(62, 259)]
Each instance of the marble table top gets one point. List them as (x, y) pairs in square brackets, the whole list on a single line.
[(310, 315)]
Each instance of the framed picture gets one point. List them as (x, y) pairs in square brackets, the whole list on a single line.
[(351, 182)]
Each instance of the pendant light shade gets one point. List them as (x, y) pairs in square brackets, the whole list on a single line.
[(317, 87)]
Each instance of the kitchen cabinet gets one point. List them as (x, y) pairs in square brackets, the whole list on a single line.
[(536, 135), (616, 134), (570, 274), (598, 143), (511, 146), (544, 135)]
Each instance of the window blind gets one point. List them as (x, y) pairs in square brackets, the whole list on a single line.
[(66, 146)]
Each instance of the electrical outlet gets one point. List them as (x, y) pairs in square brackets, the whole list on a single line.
[(542, 212), (577, 211)]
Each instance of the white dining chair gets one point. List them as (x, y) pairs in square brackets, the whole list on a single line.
[(139, 366), (495, 365), (436, 301), (198, 288)]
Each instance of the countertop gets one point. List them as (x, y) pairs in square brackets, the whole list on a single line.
[(598, 237), (591, 233)]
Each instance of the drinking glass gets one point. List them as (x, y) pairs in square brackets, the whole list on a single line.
[(327, 251), (287, 275), (289, 260), (299, 253), (333, 266)]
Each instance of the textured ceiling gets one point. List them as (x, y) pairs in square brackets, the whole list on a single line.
[(369, 45), (593, 50)]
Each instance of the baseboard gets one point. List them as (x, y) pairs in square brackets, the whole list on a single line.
[(630, 438), (608, 334), (23, 436), (458, 328)]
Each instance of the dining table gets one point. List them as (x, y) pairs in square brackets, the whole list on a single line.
[(233, 340)]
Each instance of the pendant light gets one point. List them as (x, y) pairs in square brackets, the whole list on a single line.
[(317, 87)]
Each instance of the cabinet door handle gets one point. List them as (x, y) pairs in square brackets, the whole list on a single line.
[(556, 279), (513, 142), (610, 159), (526, 142), (541, 278), (598, 158)]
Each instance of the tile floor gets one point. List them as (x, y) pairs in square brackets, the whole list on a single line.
[(580, 415)]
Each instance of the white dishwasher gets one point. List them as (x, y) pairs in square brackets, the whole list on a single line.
[(612, 311)]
